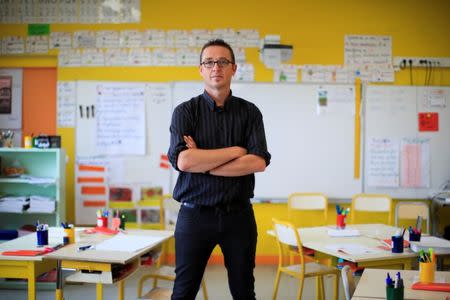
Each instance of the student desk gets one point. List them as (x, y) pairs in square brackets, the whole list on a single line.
[(26, 267), (372, 285), (371, 236), (97, 266)]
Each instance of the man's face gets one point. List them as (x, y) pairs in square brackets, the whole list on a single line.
[(217, 76)]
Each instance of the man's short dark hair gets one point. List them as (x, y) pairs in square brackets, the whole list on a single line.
[(218, 42)]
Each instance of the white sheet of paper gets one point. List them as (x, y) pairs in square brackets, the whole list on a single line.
[(127, 243), (343, 232), (352, 249)]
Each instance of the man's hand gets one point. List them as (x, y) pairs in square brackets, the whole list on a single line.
[(190, 143)]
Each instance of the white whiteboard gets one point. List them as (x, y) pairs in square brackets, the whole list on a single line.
[(310, 152), (392, 112)]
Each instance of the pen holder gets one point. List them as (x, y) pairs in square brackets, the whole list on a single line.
[(115, 223), (426, 271), (393, 293), (397, 244), (70, 232), (102, 222), (340, 221), (42, 237), (414, 237)]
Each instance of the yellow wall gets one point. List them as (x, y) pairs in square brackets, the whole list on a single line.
[(316, 29)]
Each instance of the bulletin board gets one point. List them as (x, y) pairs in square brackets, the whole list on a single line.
[(125, 167), (407, 140), (312, 145)]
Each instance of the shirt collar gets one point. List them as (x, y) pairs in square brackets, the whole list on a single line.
[(212, 104)]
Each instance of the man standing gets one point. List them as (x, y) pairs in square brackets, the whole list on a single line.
[(217, 142)]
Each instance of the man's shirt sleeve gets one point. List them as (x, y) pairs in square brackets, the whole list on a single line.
[(256, 138), (181, 125)]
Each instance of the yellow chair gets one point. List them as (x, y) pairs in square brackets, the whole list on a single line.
[(288, 237), (348, 282), (300, 202), (166, 272), (158, 294), (372, 203), (410, 210)]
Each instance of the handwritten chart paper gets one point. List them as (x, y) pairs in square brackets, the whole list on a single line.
[(368, 50), (415, 158), (66, 103), (383, 162), (120, 119)]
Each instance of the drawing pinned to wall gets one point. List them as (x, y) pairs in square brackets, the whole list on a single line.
[(415, 162), (428, 121), (11, 98), (151, 193), (335, 99), (5, 94), (120, 194), (286, 73), (383, 162), (435, 98)]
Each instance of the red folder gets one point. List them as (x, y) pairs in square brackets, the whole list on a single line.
[(24, 252), (432, 286)]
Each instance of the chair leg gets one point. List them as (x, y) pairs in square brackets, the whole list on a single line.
[(300, 288), (205, 293), (319, 288), (155, 282), (275, 288), (336, 287)]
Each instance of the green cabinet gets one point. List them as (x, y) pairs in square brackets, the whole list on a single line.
[(44, 175)]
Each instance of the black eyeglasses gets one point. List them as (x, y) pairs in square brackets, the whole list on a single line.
[(223, 62)]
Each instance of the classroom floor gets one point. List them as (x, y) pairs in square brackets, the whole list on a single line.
[(216, 283)]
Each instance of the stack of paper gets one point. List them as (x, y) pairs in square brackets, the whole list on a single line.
[(41, 204), (14, 204), (440, 246)]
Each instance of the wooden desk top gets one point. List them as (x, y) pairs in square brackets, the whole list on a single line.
[(70, 252), (373, 285), (26, 242), (371, 235)]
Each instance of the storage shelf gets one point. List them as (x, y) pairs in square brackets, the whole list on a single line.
[(45, 164)]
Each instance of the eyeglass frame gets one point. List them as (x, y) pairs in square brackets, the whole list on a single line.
[(218, 62)]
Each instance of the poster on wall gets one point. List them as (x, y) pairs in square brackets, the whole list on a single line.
[(5, 94), (10, 98)]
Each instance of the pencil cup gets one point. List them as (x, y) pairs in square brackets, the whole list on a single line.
[(115, 223), (70, 232), (42, 237), (414, 237), (426, 271), (340, 221), (393, 293), (397, 244), (102, 222)]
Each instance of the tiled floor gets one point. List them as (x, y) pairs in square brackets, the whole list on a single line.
[(216, 282)]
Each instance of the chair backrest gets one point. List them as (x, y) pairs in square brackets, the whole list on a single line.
[(411, 210), (371, 203), (348, 281), (307, 202), (287, 238), (170, 208)]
